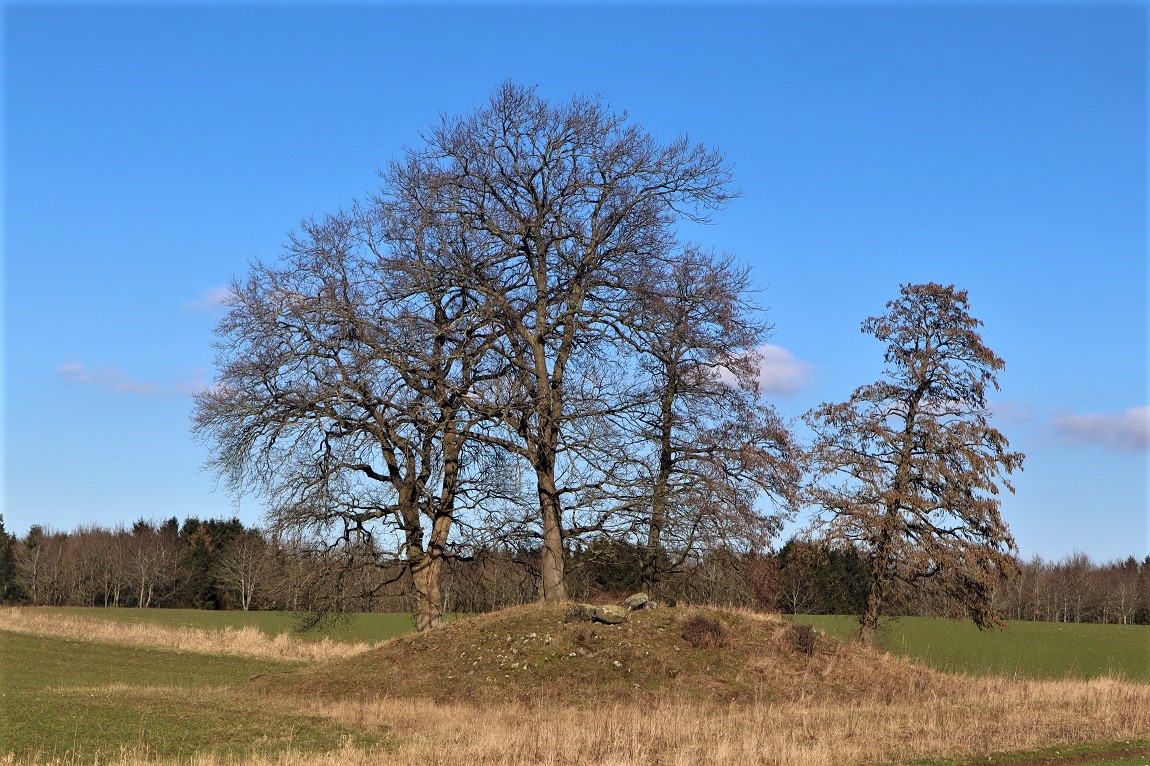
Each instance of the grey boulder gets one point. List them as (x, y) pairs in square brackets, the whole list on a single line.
[(636, 601), (610, 614)]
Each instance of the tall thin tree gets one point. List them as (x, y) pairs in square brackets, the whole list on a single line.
[(910, 467)]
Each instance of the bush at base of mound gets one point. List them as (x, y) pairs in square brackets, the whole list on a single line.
[(531, 653)]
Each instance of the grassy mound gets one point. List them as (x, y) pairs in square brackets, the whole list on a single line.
[(531, 653)]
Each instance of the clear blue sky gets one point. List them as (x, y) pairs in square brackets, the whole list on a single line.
[(150, 152)]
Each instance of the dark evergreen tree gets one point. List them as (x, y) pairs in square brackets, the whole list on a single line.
[(10, 587)]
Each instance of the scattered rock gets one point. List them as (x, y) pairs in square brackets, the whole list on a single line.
[(580, 613), (610, 614), (636, 601)]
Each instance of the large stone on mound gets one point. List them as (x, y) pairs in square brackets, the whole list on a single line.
[(580, 613), (610, 614), (636, 601)]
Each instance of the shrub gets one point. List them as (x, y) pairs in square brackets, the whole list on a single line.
[(703, 632), (806, 638)]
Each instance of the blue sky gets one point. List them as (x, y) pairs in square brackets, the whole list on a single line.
[(151, 152)]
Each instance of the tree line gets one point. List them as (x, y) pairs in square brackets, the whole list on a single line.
[(222, 564)]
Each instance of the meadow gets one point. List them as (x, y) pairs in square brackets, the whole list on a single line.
[(70, 701), (72, 693), (1029, 649)]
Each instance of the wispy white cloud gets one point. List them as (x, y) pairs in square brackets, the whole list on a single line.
[(215, 298), (107, 378), (1011, 411), (1128, 431), (780, 372), (193, 382), (115, 379)]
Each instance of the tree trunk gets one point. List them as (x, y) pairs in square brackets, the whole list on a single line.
[(880, 562), (869, 621), (552, 564), (649, 574), (660, 490), (428, 601), (891, 524)]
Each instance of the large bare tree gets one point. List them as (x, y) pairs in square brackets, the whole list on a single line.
[(559, 206), (340, 396), (910, 467)]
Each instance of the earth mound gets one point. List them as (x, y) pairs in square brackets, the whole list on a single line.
[(532, 652)]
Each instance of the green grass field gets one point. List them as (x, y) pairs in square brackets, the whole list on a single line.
[(1131, 753), (370, 628), (81, 702), (1033, 649)]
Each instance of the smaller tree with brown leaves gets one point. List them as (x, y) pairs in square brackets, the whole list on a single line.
[(910, 469)]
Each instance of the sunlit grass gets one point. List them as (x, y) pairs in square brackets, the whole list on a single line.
[(244, 641), (356, 628), (1033, 649), (84, 701)]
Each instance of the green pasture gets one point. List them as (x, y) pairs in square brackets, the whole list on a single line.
[(367, 627), (1033, 649), (83, 702), (1129, 753)]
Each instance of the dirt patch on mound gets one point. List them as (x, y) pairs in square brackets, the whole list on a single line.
[(531, 653)]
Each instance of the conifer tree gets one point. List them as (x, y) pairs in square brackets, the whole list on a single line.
[(910, 468)]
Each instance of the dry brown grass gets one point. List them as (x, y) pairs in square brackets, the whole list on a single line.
[(978, 717), (982, 717), (246, 641)]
